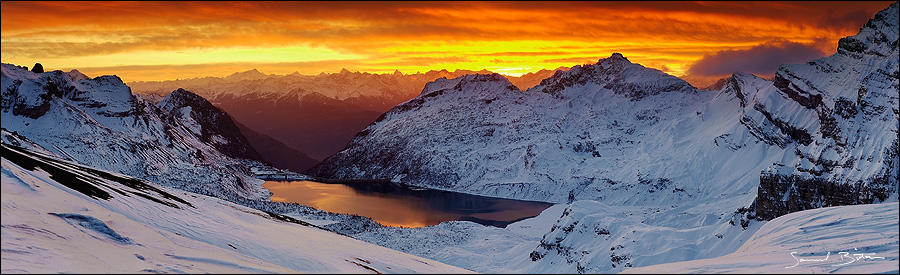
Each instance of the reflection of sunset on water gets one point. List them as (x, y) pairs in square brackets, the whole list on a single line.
[(392, 209)]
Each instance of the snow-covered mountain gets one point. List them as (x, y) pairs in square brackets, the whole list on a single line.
[(656, 170), (60, 216), (597, 130), (656, 151), (181, 141), (647, 169), (842, 114), (614, 130)]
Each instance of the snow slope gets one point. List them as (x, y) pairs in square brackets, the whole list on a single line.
[(59, 216), (869, 229)]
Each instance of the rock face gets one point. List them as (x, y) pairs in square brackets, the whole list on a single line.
[(847, 147), (182, 141), (37, 68)]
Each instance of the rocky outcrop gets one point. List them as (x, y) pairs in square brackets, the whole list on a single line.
[(37, 68), (846, 148), (618, 75)]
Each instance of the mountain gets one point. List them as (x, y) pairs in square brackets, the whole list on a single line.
[(655, 150), (310, 123), (606, 130), (528, 80), (588, 132), (60, 216), (180, 141), (275, 152), (841, 111), (309, 106), (208, 123), (653, 170)]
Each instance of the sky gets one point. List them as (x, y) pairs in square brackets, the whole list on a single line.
[(141, 41)]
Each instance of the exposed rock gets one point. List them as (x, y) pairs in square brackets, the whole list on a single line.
[(37, 68)]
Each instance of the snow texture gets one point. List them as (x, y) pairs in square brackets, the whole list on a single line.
[(839, 234)]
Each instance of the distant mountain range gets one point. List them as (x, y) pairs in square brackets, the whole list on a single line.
[(316, 114)]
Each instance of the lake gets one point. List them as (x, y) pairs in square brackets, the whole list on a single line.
[(392, 204)]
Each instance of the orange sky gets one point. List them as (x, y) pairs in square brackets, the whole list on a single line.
[(168, 40)]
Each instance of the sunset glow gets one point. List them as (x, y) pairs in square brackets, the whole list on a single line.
[(168, 40)]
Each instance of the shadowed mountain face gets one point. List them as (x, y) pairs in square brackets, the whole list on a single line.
[(312, 123), (276, 153)]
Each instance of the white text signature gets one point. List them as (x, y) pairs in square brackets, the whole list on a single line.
[(845, 259)]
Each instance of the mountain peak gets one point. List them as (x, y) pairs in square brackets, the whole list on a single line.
[(209, 123), (470, 82), (37, 68), (878, 36), (616, 56), (247, 75), (181, 98), (617, 74)]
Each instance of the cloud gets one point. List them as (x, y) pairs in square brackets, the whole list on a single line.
[(762, 59), (530, 35)]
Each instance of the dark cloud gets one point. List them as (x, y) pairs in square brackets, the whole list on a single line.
[(762, 59)]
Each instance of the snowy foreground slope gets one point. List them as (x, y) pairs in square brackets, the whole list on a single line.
[(58, 216), (847, 239), (870, 228)]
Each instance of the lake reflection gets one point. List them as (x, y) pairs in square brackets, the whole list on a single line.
[(399, 206)]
